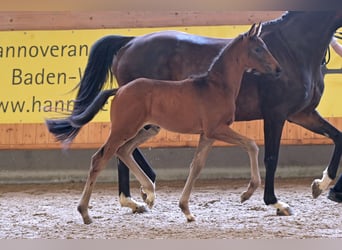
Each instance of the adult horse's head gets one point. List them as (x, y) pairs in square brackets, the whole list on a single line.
[(260, 59)]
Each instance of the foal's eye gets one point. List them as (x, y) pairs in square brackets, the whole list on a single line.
[(257, 49)]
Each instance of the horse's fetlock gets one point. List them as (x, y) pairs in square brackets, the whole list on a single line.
[(81, 209), (270, 201), (255, 184), (181, 205)]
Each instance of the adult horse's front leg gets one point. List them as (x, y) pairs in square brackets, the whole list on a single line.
[(315, 123), (196, 166), (272, 133)]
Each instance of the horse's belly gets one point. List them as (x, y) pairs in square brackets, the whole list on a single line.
[(178, 124)]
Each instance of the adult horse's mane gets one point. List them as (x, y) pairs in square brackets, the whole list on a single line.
[(286, 15), (201, 78)]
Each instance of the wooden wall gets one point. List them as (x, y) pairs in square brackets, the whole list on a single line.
[(36, 136)]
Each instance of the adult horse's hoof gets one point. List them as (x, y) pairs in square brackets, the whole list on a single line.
[(316, 190), (137, 207), (283, 209), (285, 212), (140, 209)]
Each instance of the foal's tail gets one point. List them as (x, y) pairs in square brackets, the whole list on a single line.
[(65, 130), (89, 98)]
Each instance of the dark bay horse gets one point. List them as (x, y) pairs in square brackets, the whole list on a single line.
[(298, 40), (203, 105)]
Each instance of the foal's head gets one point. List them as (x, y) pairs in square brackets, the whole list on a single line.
[(258, 58)]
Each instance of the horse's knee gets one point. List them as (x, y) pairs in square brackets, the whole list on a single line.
[(253, 147)]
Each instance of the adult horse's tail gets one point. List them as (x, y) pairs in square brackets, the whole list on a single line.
[(89, 100)]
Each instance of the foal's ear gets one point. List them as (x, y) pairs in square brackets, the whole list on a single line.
[(254, 30), (259, 29)]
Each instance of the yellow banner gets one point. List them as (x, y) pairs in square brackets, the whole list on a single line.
[(39, 70)]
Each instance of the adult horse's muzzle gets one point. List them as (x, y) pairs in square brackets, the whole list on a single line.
[(277, 72)]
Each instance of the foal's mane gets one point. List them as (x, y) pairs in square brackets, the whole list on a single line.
[(203, 77)]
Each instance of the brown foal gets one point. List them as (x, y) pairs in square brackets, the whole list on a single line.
[(203, 105)]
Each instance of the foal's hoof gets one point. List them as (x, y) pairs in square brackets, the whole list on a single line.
[(87, 221), (285, 211), (316, 190), (143, 194), (148, 197), (190, 218), (245, 196), (149, 202)]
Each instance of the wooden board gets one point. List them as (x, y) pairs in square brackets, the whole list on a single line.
[(93, 135)]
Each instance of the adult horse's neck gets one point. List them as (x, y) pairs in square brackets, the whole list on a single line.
[(227, 69), (302, 36)]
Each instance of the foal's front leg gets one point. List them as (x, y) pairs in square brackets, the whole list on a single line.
[(226, 134), (196, 166)]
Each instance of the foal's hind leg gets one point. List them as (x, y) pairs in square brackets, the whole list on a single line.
[(125, 155), (226, 134), (142, 136), (98, 163), (196, 166)]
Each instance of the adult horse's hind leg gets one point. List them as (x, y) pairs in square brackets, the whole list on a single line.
[(196, 166), (226, 134), (315, 123), (129, 147)]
